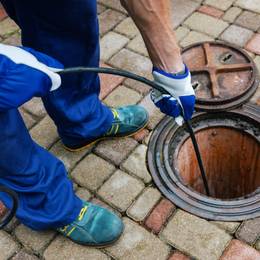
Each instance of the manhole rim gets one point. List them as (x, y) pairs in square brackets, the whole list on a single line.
[(191, 200)]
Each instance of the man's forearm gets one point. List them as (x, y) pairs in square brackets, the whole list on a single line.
[(153, 19)]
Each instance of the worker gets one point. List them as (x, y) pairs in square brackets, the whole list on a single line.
[(68, 31)]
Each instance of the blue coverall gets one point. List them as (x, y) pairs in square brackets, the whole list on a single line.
[(68, 31)]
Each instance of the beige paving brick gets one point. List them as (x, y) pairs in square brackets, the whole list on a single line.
[(132, 62), (137, 45), (136, 164), (8, 27), (35, 107), (14, 39), (195, 236), (220, 4), (252, 5), (110, 44), (114, 4), (101, 8), (231, 14), (8, 246), (155, 115), (144, 204), (34, 240), (22, 255), (236, 35), (204, 23), (92, 171), (249, 20), (120, 190), (116, 150), (27, 118), (84, 194), (181, 11), (138, 243), (45, 132), (127, 28), (195, 37), (230, 227), (63, 248), (181, 32), (122, 96), (108, 20), (257, 245), (69, 159)]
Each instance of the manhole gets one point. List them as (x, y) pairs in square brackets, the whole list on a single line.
[(223, 76), (230, 147)]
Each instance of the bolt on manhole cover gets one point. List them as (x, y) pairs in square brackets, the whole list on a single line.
[(229, 139), (223, 76)]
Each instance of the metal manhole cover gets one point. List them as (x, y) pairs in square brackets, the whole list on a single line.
[(230, 148), (223, 75)]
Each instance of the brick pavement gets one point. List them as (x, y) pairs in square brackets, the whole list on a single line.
[(117, 176)]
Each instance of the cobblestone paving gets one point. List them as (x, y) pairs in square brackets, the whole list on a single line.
[(117, 176)]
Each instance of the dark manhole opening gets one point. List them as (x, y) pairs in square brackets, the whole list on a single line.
[(231, 159)]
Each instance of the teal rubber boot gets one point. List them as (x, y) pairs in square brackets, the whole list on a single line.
[(128, 120), (95, 226)]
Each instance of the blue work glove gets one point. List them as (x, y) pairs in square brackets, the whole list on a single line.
[(181, 101), (25, 73)]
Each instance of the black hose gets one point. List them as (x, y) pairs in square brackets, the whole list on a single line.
[(152, 84), (13, 210)]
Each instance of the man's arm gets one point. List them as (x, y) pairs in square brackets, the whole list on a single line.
[(153, 19)]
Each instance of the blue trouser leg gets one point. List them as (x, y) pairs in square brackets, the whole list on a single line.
[(46, 196), (68, 31)]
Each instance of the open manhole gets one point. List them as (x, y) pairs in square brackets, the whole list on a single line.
[(223, 76), (230, 147)]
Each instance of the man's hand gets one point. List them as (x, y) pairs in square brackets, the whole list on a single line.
[(25, 73), (181, 101)]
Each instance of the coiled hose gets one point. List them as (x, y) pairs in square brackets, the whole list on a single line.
[(152, 84)]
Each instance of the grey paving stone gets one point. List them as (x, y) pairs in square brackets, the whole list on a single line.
[(195, 236), (257, 245), (220, 4), (84, 194), (70, 159), (122, 96), (108, 20), (35, 107), (204, 23), (195, 37), (45, 132), (249, 231), (231, 14), (22, 255), (137, 45), (230, 227), (182, 11), (116, 150), (138, 243), (236, 35), (252, 5), (110, 44), (144, 204), (120, 190), (136, 164), (34, 240), (92, 171), (127, 28), (100, 8), (8, 246), (63, 248), (249, 20)]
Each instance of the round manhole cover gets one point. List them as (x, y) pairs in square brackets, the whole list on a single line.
[(229, 142), (223, 75)]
